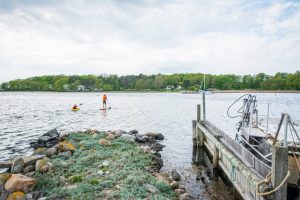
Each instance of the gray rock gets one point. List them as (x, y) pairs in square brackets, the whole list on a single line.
[(66, 154), (17, 166), (30, 174), (151, 189), (175, 175), (51, 151), (118, 133), (186, 196), (174, 185), (40, 151), (31, 160), (179, 191), (142, 139), (28, 168), (133, 132), (29, 196), (157, 136), (158, 161), (128, 137), (48, 139)]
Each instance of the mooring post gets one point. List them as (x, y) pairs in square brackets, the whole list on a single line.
[(194, 132), (279, 170), (203, 104), (215, 157), (198, 113)]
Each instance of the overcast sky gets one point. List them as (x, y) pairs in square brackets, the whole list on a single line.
[(39, 37)]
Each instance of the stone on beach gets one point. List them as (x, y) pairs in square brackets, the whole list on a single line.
[(39, 165), (174, 185), (118, 133), (17, 166), (111, 137), (179, 191), (157, 136), (28, 168), (151, 189), (175, 175), (66, 146), (104, 142), (164, 177), (48, 139), (133, 132), (141, 139), (19, 182), (51, 151)]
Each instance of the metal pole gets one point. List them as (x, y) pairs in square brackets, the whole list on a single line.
[(286, 129)]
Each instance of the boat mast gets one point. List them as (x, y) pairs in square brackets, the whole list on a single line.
[(204, 83)]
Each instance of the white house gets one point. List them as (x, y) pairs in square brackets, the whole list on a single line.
[(80, 88)]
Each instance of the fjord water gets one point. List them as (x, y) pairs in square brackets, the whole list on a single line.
[(26, 115)]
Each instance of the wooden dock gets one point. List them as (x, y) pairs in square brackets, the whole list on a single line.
[(245, 171)]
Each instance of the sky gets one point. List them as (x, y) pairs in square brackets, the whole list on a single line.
[(40, 37)]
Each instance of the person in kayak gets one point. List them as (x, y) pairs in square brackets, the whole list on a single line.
[(75, 107), (104, 99)]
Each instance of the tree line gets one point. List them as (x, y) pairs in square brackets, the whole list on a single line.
[(188, 81)]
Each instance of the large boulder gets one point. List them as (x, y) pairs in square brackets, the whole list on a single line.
[(19, 182), (133, 132), (17, 166), (142, 139), (48, 139), (175, 175), (157, 136)]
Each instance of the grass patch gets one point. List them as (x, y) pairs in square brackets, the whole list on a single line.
[(84, 176)]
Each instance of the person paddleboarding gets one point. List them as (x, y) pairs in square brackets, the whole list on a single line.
[(104, 99)]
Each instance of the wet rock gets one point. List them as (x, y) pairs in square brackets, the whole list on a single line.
[(104, 142), (164, 176), (17, 166), (133, 132), (29, 196), (157, 147), (157, 154), (111, 137), (66, 146), (175, 175), (158, 162), (30, 174), (179, 191), (28, 168), (19, 182), (31, 160), (37, 194), (6, 164), (141, 139), (40, 151), (48, 139), (157, 136), (152, 189), (174, 185), (4, 177), (16, 196), (186, 196), (51, 151)]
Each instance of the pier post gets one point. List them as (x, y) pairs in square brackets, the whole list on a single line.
[(203, 105), (198, 113), (279, 170), (194, 132), (215, 157)]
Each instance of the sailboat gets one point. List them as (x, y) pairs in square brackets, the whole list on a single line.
[(205, 91)]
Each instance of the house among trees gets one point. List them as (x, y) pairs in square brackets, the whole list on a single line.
[(170, 87), (66, 87), (178, 87), (80, 88)]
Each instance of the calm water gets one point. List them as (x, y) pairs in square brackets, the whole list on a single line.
[(25, 116)]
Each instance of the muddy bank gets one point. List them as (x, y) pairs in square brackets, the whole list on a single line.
[(92, 165)]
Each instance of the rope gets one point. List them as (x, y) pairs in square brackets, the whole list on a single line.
[(267, 180)]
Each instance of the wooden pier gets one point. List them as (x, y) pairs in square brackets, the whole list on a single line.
[(245, 171)]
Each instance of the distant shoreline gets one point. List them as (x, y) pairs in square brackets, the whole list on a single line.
[(163, 91)]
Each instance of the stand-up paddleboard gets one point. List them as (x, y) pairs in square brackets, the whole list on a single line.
[(105, 108)]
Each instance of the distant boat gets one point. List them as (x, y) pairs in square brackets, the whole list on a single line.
[(204, 91)]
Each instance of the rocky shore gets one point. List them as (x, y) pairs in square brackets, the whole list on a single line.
[(91, 165)]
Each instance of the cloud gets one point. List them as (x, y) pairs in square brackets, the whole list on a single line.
[(151, 36)]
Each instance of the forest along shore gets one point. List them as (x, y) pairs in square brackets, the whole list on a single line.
[(92, 165)]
